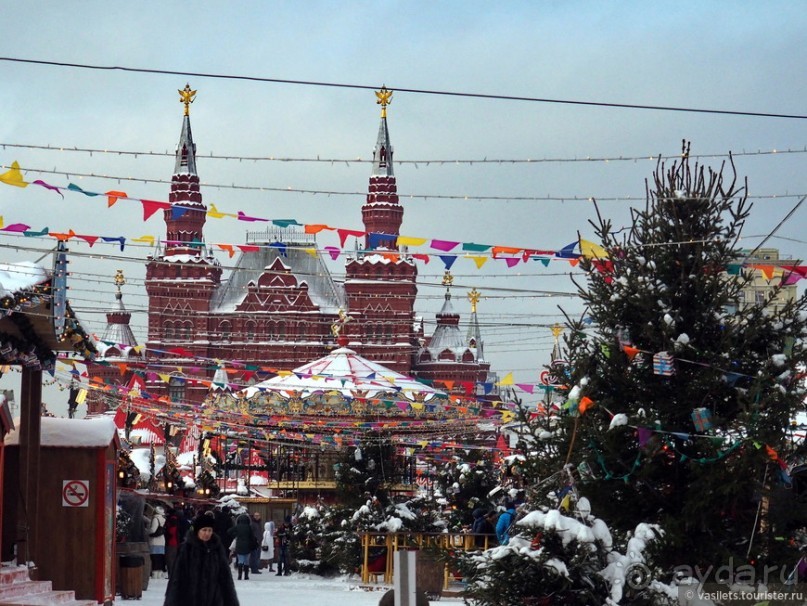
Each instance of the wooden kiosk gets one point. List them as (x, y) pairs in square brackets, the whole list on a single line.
[(77, 502), (36, 322)]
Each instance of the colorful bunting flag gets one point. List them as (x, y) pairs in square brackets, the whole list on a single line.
[(13, 176)]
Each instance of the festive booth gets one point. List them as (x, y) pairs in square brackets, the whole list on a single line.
[(77, 499), (36, 323)]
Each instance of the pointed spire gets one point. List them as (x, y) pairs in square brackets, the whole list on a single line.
[(117, 331), (185, 228), (220, 380), (474, 333), (186, 149), (557, 331), (382, 214), (120, 280), (382, 154), (447, 315), (448, 282)]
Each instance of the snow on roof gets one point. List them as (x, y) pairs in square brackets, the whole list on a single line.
[(141, 457), (328, 296), (145, 436), (345, 371), (384, 259), (20, 276), (71, 433), (186, 459), (186, 258)]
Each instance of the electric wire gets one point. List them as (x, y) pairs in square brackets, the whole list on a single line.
[(400, 89)]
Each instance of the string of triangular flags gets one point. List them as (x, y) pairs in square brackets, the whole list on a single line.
[(479, 253), (509, 254)]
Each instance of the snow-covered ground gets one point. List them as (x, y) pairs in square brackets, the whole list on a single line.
[(293, 590)]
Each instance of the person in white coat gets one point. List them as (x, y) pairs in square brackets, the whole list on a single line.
[(156, 536), (268, 546)]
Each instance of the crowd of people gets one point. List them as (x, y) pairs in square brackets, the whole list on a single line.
[(492, 523), (195, 551)]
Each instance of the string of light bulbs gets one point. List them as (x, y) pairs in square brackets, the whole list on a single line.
[(417, 163), (411, 196)]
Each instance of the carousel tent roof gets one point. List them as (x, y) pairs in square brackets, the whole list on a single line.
[(347, 372)]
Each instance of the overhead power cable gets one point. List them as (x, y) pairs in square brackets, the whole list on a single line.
[(400, 89)]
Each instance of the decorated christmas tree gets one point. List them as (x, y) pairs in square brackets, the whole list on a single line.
[(464, 486), (366, 470), (681, 392)]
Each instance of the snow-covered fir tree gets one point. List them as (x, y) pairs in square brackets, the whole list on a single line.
[(463, 486), (681, 393), (556, 556), (366, 470)]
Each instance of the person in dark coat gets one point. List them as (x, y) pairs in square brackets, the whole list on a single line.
[(257, 532), (282, 536), (481, 527), (244, 542), (184, 519), (172, 539), (223, 524), (201, 575)]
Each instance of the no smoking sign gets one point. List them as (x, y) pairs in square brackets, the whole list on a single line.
[(75, 493)]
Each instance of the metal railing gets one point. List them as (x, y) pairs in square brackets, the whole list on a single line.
[(378, 549)]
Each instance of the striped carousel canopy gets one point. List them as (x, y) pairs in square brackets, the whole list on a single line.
[(349, 374)]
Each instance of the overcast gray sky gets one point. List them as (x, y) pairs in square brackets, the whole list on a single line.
[(741, 56)]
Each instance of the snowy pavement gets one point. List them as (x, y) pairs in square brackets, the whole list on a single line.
[(293, 590)]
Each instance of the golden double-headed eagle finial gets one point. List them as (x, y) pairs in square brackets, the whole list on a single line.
[(186, 96), (338, 326), (120, 280), (383, 98), (474, 297)]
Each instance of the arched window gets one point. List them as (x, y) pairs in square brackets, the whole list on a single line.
[(281, 330), (388, 332), (250, 330), (168, 330), (176, 389), (225, 330), (187, 330), (271, 330)]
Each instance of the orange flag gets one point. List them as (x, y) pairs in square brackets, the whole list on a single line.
[(585, 404), (112, 197), (630, 351)]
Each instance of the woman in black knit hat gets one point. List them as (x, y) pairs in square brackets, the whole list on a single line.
[(201, 575)]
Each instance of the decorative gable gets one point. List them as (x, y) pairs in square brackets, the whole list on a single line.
[(277, 290)]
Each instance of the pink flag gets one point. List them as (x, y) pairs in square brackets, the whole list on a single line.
[(48, 186), (443, 245)]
